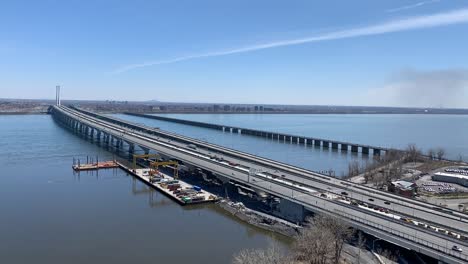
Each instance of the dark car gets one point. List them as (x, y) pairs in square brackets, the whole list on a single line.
[(370, 199), (344, 193), (387, 202)]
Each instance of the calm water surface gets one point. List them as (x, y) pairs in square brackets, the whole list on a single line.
[(397, 131), (50, 215)]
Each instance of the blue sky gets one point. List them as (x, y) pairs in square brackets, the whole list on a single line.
[(336, 52)]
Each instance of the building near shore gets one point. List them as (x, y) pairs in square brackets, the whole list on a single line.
[(451, 178), (403, 188)]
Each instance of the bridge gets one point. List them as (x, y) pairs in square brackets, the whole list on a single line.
[(412, 224), (281, 137)]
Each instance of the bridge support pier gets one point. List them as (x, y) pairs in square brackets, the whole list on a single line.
[(365, 150), (325, 144), (344, 147)]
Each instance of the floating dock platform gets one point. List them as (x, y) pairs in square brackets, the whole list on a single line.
[(96, 165), (176, 189)]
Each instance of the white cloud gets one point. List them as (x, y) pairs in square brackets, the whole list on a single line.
[(403, 8), (412, 23)]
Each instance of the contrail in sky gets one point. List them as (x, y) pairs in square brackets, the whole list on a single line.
[(411, 6), (405, 24)]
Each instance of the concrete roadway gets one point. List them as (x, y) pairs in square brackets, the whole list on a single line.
[(433, 243), (423, 212)]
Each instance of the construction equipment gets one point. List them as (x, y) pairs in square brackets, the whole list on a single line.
[(155, 164), (143, 156)]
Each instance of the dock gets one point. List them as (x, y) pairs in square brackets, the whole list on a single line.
[(180, 191), (95, 165)]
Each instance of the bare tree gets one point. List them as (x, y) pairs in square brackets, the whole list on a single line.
[(414, 154), (440, 153), (460, 158), (322, 241), (431, 153), (354, 168), (361, 243), (309, 246), (272, 255)]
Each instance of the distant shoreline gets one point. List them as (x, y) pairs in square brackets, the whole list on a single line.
[(246, 113), (23, 113)]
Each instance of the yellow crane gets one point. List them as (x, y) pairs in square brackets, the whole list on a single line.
[(155, 164), (143, 156)]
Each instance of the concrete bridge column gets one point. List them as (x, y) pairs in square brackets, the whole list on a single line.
[(145, 150), (354, 148), (131, 148), (365, 150), (344, 147), (240, 131), (325, 144), (230, 129)]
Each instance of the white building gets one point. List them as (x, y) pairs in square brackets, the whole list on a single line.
[(452, 178)]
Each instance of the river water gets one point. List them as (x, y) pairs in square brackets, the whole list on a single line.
[(396, 131), (48, 214), (51, 215)]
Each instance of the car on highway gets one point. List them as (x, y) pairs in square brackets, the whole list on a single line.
[(370, 199), (456, 248), (344, 193), (387, 202)]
